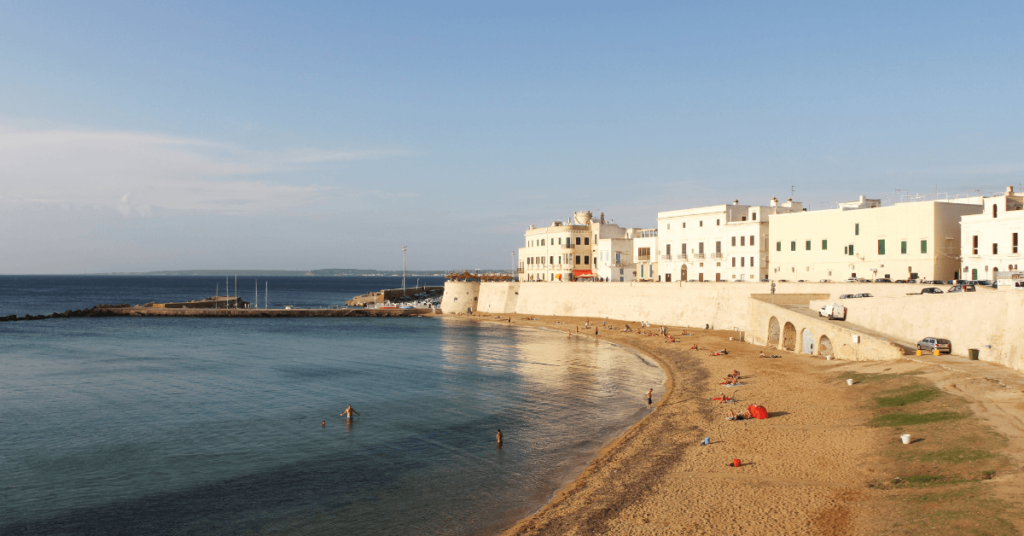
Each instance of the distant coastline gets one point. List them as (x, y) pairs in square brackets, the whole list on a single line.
[(288, 273)]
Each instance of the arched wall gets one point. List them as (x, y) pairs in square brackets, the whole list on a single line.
[(825, 346), (789, 337), (774, 332), (807, 341)]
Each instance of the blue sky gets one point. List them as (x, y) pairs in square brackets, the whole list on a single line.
[(144, 136)]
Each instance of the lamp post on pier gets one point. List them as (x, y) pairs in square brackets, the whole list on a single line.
[(404, 248)]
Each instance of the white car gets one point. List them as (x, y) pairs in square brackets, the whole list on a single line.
[(833, 311)]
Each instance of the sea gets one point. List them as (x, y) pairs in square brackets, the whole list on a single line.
[(154, 425)]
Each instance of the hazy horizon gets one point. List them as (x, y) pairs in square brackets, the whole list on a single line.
[(139, 137)]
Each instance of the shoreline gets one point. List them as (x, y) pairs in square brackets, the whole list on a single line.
[(814, 467)]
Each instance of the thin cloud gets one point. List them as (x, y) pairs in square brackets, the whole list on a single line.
[(142, 174)]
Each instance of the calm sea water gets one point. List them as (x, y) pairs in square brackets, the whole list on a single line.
[(213, 426)]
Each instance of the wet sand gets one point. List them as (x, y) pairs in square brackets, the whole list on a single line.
[(805, 470)]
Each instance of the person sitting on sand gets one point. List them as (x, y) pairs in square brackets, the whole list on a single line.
[(694, 347), (722, 398)]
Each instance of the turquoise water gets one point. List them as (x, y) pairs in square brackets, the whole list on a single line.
[(213, 426)]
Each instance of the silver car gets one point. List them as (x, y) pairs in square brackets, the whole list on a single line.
[(932, 343)]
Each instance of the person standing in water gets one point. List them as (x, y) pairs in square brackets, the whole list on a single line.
[(349, 412), (499, 437), (650, 392)]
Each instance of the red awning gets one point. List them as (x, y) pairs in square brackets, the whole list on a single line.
[(583, 273)]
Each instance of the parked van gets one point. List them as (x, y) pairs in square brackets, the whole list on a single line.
[(833, 311)]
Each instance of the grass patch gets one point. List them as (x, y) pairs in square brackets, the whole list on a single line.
[(950, 455), (910, 419), (907, 395)]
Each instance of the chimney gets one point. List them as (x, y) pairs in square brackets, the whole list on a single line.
[(775, 201), (735, 201), (1009, 190)]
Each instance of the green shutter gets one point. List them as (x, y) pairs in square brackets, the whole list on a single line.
[(903, 247), (808, 245), (856, 228), (778, 246), (824, 245), (792, 245), (924, 247), (881, 247)]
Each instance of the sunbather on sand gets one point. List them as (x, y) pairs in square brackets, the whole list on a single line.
[(742, 416)]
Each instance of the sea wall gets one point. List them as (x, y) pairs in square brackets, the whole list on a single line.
[(986, 320)]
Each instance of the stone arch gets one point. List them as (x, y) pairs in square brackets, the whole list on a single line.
[(825, 346), (789, 337), (807, 341), (773, 332)]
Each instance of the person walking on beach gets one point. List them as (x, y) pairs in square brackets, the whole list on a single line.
[(650, 392), (349, 412)]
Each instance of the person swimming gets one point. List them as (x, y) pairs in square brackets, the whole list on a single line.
[(349, 412)]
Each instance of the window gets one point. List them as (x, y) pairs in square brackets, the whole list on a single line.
[(995, 247), (734, 241), (751, 240), (577, 259), (974, 245), (824, 245), (743, 261), (551, 259), (668, 249), (734, 262), (807, 246), (851, 249), (684, 225), (559, 241), (701, 223), (542, 242), (586, 241), (753, 216), (856, 228), (995, 210), (778, 246), (577, 242), (700, 247), (586, 259), (903, 247), (668, 226), (718, 247), (881, 247), (718, 222), (618, 258), (924, 246), (751, 262), (846, 250), (1014, 245), (792, 245), (682, 248), (743, 240)]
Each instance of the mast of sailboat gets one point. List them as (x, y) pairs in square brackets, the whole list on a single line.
[(404, 248)]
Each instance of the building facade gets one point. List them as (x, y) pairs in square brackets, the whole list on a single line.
[(645, 254), (717, 243), (567, 251), (864, 240), (990, 240)]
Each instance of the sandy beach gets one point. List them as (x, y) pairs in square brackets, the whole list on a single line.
[(828, 460)]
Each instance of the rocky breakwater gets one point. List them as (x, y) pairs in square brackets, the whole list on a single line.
[(96, 311)]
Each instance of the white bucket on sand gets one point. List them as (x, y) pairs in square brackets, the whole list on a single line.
[(905, 438), (849, 382), (828, 358)]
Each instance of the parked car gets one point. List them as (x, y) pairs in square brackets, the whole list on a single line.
[(765, 280), (825, 281), (931, 290), (863, 295), (883, 280), (962, 288), (851, 280), (986, 283), (847, 296), (783, 281), (833, 311), (936, 282), (932, 343)]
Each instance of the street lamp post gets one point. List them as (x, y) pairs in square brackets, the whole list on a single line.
[(404, 248)]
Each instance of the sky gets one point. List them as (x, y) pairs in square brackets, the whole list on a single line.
[(141, 136)]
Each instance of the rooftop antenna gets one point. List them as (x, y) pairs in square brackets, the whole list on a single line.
[(792, 190)]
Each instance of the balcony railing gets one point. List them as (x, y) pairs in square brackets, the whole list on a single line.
[(643, 257), (714, 255), (698, 255), (666, 257), (680, 256), (520, 270)]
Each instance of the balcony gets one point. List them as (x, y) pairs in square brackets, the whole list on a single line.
[(567, 246), (520, 270), (680, 256), (643, 257), (699, 256), (666, 257), (714, 255)]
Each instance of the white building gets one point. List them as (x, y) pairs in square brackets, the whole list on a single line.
[(645, 254), (717, 243), (567, 251), (990, 240), (919, 240)]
